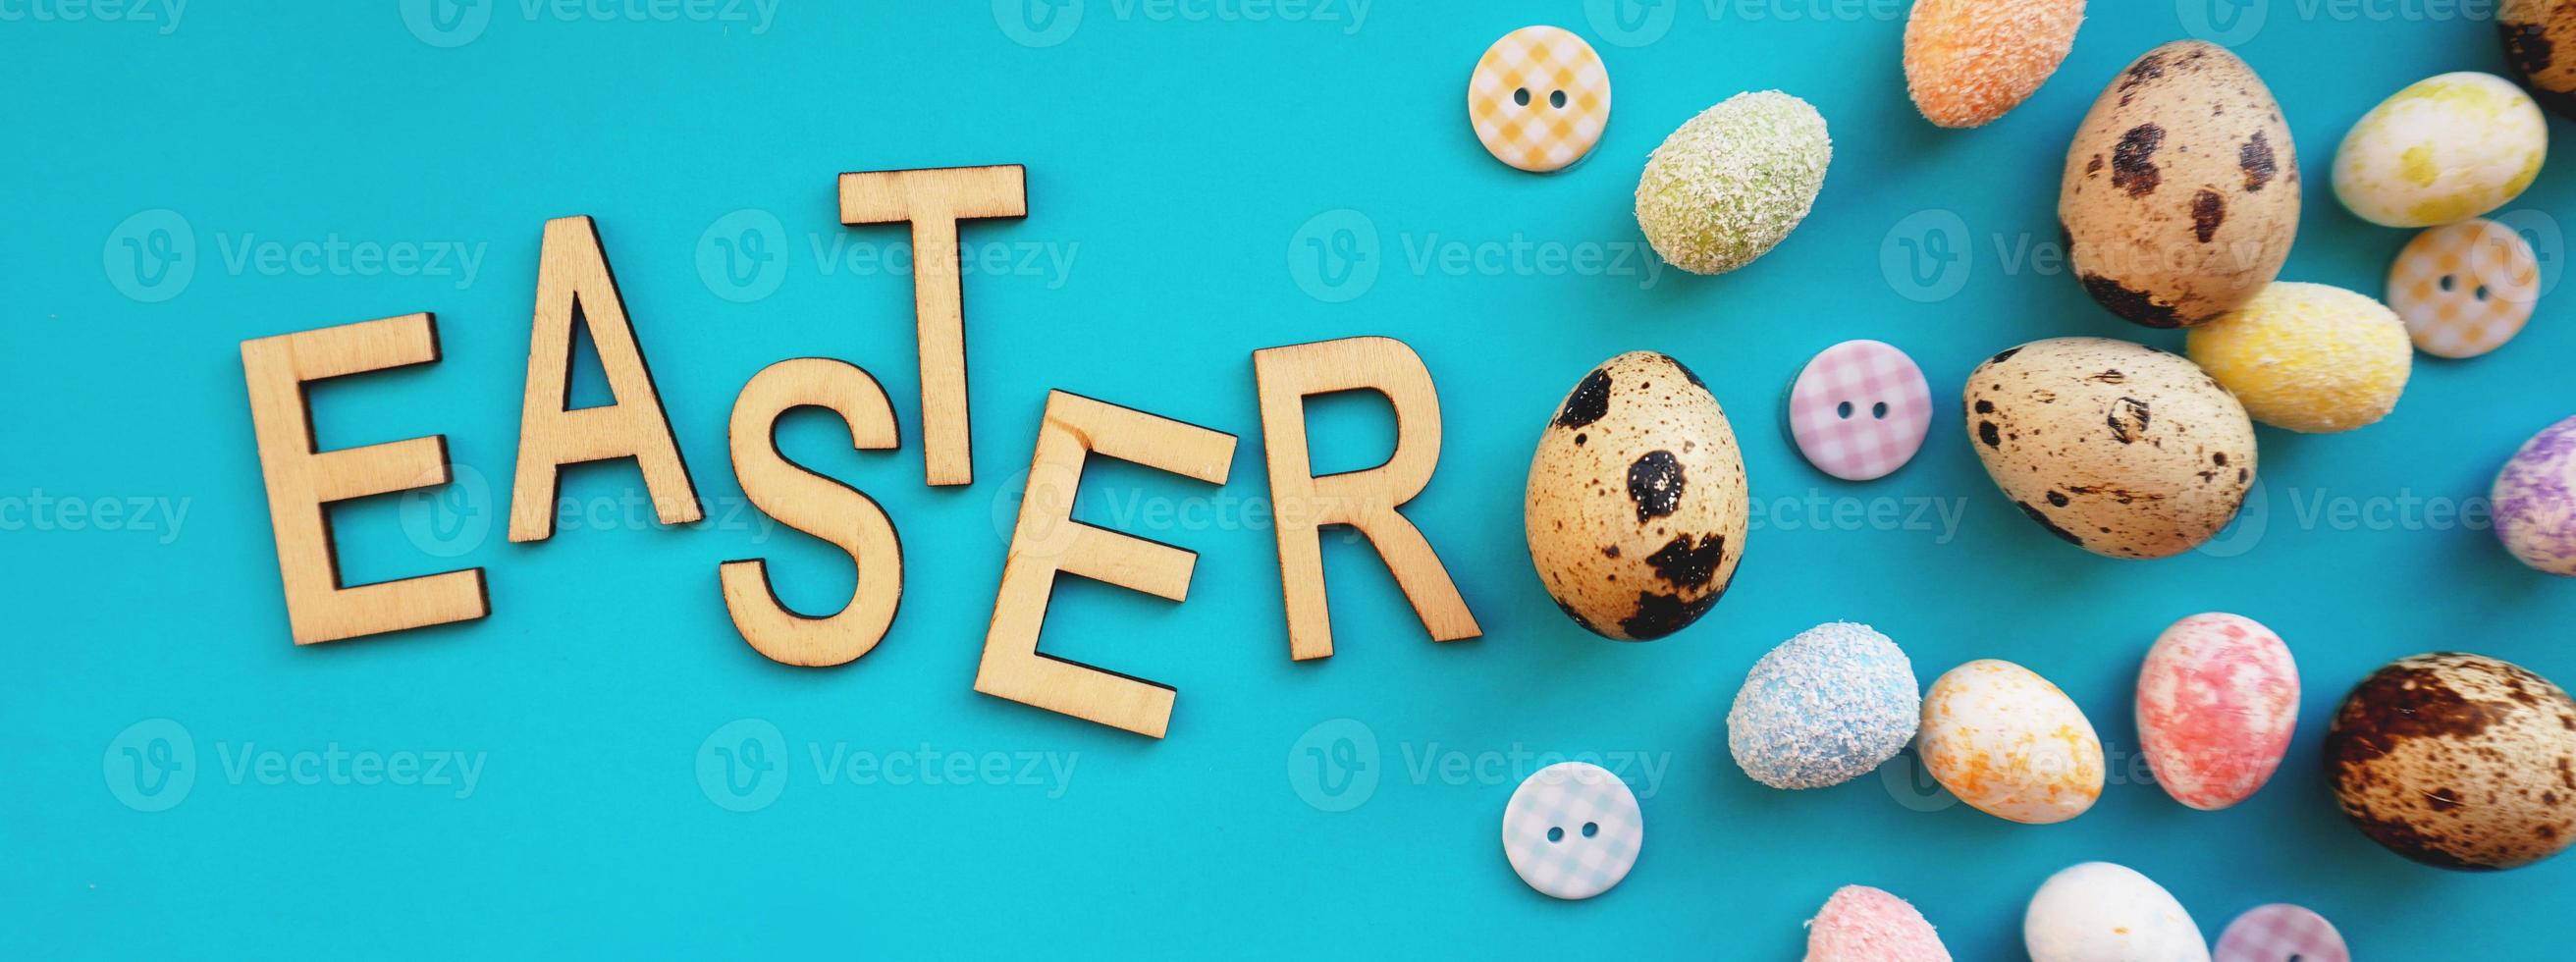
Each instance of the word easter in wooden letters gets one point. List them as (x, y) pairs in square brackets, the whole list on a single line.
[(575, 285)]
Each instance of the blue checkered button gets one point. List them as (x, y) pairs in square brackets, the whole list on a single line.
[(1573, 830)]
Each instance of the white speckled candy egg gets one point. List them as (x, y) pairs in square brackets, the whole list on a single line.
[(2100, 912), (1636, 504), (1825, 707), (2444, 149), (1863, 924), (2007, 742), (2218, 698), (2119, 448), (2535, 501), (2180, 194)]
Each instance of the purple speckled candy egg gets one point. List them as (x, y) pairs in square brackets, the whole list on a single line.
[(2535, 501)]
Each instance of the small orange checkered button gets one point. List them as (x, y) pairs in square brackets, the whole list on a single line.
[(2464, 289), (1539, 99)]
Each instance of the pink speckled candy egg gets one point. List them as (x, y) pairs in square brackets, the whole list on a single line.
[(2535, 501), (1863, 924), (2217, 701)]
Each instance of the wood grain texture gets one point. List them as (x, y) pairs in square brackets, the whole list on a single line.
[(816, 505), (1046, 540), (1301, 503), (302, 482), (933, 200), (574, 283)]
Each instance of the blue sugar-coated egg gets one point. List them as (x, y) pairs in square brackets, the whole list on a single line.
[(1825, 707)]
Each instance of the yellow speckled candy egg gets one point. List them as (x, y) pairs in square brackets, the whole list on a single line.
[(2180, 195), (2445, 149), (1636, 506), (2309, 357), (2121, 449), (2010, 744)]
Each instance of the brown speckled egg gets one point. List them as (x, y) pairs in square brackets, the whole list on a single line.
[(2456, 760), (2122, 449), (2540, 42), (1637, 504), (2181, 193)]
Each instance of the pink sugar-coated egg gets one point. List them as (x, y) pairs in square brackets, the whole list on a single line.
[(1863, 924), (2218, 698)]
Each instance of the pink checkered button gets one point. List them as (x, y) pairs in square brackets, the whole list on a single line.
[(2280, 933), (1860, 409)]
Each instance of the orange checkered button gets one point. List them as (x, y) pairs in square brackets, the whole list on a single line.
[(2464, 289), (1539, 99)]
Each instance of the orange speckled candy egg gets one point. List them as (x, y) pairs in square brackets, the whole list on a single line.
[(2217, 701), (2007, 742), (1968, 62)]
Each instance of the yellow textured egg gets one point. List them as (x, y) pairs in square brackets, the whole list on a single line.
[(2309, 357), (2007, 742), (2443, 150)]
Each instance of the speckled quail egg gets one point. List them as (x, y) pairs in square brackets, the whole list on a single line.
[(1636, 506), (2457, 760), (2181, 192), (2119, 448), (2540, 42)]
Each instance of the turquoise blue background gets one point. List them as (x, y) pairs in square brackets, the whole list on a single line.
[(1178, 159)]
